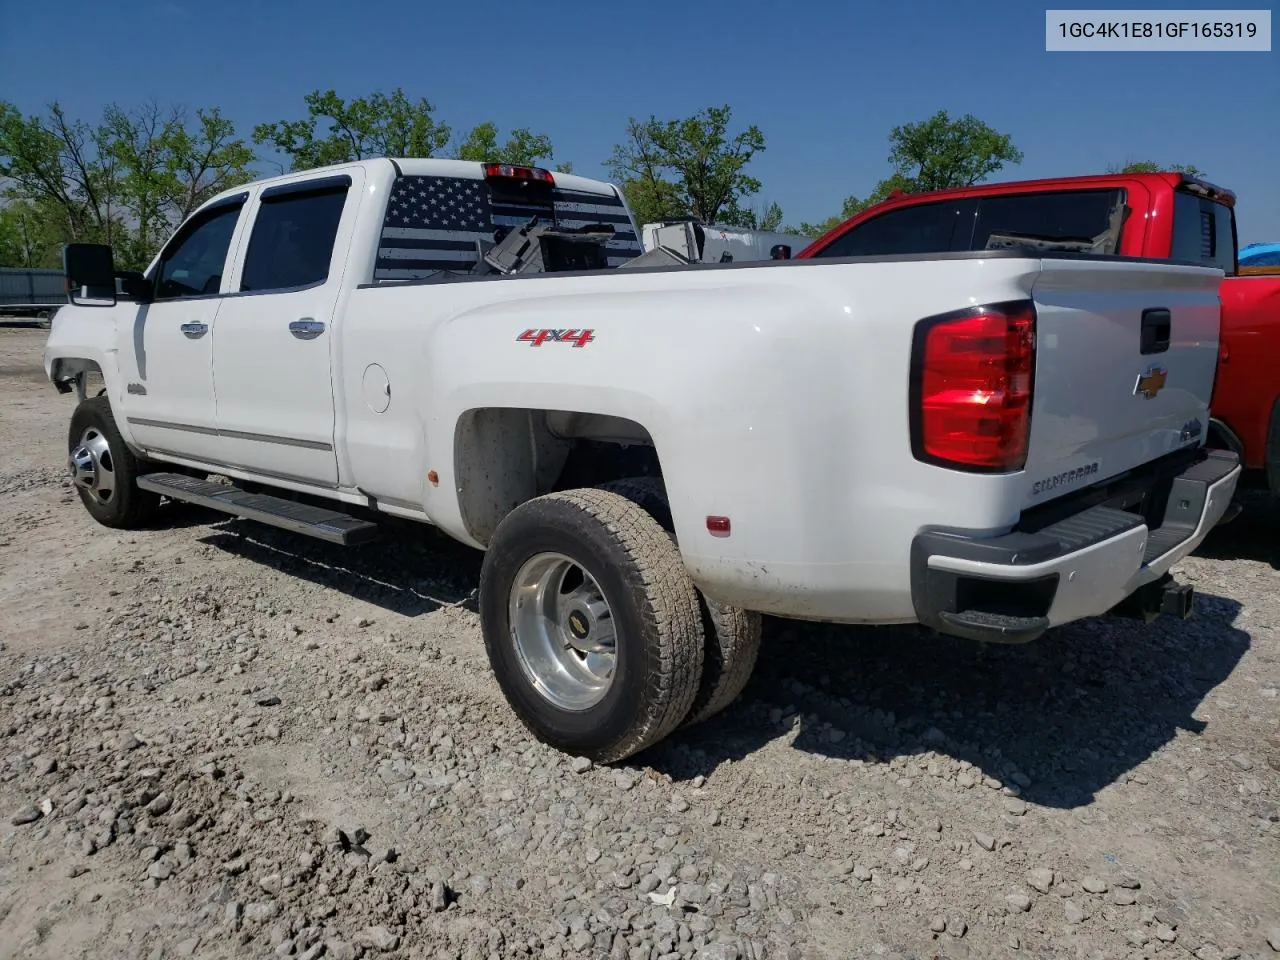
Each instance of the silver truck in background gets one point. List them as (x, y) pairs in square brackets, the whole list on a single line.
[(31, 294), (719, 243)]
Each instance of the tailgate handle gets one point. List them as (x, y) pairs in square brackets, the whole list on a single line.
[(1157, 326)]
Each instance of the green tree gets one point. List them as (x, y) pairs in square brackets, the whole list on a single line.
[(127, 181), (934, 154), (167, 168), (939, 153), (690, 167), (29, 236), (767, 217), (57, 164), (1146, 166), (379, 125), (523, 147)]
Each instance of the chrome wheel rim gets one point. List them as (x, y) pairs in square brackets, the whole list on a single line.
[(92, 466), (563, 630)]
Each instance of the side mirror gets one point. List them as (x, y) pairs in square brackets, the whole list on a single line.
[(780, 251), (91, 274), (135, 286)]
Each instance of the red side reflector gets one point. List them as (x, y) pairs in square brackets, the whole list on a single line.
[(718, 526), (972, 378), (507, 171)]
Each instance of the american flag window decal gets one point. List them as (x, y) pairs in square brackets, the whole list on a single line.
[(432, 224)]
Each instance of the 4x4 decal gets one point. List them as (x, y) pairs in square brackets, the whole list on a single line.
[(536, 338)]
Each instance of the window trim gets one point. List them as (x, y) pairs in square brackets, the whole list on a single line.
[(183, 233), (292, 191), (234, 199), (316, 185)]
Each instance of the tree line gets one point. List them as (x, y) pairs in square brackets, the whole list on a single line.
[(131, 177)]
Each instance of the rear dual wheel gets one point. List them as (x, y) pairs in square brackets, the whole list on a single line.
[(590, 623), (731, 635), (596, 635)]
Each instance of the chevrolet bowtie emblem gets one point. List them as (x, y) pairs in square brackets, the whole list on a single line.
[(1151, 382)]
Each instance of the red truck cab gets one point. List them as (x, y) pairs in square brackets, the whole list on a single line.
[(1154, 215)]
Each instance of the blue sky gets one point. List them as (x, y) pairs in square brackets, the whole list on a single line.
[(824, 81)]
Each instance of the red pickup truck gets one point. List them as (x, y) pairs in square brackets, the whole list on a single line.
[(1154, 215)]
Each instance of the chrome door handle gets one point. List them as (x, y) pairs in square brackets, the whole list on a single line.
[(194, 331), (306, 328)]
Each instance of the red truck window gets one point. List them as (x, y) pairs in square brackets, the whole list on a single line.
[(923, 228), (1085, 220), (1203, 232), (1088, 220)]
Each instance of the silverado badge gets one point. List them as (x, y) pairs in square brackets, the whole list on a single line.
[(1151, 382)]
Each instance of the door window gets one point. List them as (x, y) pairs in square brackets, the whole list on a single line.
[(192, 264), (924, 228), (292, 241)]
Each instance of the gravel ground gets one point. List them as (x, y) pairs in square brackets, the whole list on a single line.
[(219, 740)]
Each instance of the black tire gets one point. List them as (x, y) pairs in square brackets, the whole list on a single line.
[(127, 508), (654, 607), (732, 647), (731, 635)]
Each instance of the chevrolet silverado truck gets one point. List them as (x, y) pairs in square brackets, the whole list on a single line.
[(989, 444), (1159, 215)]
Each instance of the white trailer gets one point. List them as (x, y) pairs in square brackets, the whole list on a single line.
[(720, 243)]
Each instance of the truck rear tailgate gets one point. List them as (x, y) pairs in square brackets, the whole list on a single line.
[(1126, 354)]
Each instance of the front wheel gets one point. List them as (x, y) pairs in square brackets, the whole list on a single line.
[(104, 470), (591, 623)]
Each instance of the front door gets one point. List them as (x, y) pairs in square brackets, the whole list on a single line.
[(167, 350), (272, 347)]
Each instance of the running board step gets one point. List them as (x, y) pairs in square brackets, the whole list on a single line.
[(288, 514)]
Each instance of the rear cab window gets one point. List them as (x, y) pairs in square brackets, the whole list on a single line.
[(435, 227), (1204, 231), (1083, 221)]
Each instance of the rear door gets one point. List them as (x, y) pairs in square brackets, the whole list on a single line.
[(272, 350)]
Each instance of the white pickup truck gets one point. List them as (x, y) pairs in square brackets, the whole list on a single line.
[(989, 444)]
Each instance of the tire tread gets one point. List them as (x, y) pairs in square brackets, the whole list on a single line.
[(732, 635)]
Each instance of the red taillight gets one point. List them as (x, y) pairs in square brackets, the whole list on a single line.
[(971, 387), (507, 171)]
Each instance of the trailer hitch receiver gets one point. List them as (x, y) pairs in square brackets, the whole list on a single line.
[(1164, 596)]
